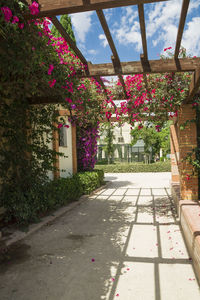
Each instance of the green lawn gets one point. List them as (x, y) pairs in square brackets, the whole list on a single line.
[(135, 167)]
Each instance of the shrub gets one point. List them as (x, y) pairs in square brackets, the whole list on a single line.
[(136, 167), (90, 180), (29, 206)]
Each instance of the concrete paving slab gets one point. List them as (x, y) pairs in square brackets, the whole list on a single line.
[(129, 285), (142, 242), (120, 192), (184, 282), (131, 200), (132, 192), (146, 192), (145, 200)]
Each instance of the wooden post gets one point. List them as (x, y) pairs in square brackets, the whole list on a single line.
[(174, 154), (74, 149), (56, 173)]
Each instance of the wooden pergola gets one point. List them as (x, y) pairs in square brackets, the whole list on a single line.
[(52, 8)]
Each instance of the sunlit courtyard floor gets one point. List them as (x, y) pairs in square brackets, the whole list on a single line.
[(124, 242)]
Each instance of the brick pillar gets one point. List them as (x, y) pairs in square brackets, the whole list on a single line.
[(174, 154), (187, 142)]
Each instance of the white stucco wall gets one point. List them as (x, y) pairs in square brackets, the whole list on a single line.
[(65, 163)]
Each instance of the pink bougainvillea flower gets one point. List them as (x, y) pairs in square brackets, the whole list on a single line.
[(7, 13), (157, 128), (51, 67), (67, 126), (73, 106), (167, 48), (69, 100), (108, 115), (113, 279), (187, 177), (92, 259), (128, 269), (52, 82), (33, 48), (60, 125), (34, 8), (140, 126), (21, 25), (195, 104), (15, 20), (117, 295)]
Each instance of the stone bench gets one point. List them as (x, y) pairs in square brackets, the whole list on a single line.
[(189, 213)]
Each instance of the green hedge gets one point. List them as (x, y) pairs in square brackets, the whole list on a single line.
[(24, 208), (136, 167)]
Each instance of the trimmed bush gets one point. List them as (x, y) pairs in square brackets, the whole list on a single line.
[(89, 181), (27, 207), (136, 167)]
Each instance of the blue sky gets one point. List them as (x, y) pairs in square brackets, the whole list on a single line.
[(161, 25)]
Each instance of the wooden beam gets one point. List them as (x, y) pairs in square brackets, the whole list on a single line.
[(60, 7), (44, 100), (194, 86), (135, 67), (68, 39), (106, 30), (181, 26), (74, 149), (100, 81), (115, 57), (143, 30), (121, 79)]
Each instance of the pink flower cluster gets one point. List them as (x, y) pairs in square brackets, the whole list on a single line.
[(34, 8)]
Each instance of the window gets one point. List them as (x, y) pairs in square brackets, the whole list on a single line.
[(63, 137), (120, 139)]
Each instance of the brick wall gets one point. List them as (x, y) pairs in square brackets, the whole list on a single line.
[(187, 142)]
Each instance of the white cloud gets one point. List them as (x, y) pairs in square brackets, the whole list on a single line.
[(127, 31), (93, 51), (129, 35), (191, 37), (108, 13), (82, 23), (103, 39)]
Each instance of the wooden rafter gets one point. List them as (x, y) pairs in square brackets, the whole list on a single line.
[(181, 26), (106, 30), (98, 78), (54, 7), (44, 100), (143, 30), (68, 39), (136, 67), (194, 85), (115, 58)]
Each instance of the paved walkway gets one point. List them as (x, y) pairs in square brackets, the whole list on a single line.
[(124, 242)]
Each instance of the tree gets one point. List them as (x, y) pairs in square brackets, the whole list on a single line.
[(153, 140), (109, 137), (65, 20)]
